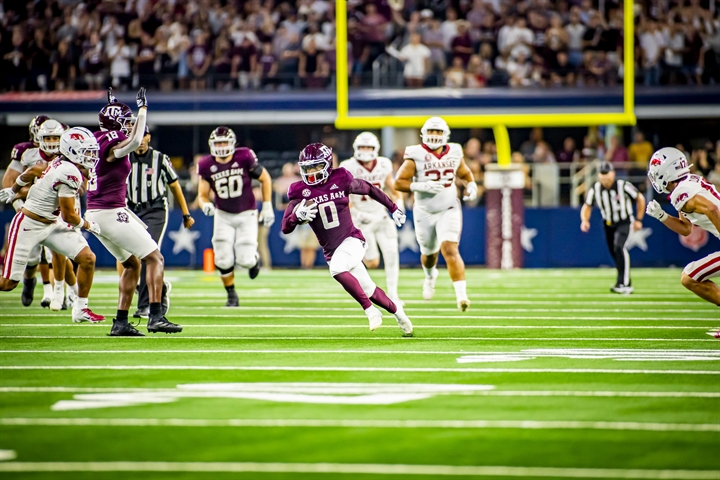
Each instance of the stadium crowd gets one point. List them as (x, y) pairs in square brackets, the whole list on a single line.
[(217, 44)]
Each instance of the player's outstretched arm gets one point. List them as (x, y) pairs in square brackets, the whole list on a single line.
[(703, 206), (138, 131), (290, 220), (404, 176), (680, 225), (585, 213), (363, 187)]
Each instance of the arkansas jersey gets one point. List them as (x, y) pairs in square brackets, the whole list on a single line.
[(61, 179), (16, 155), (687, 189), (107, 186), (333, 224), (440, 167), (375, 175), (231, 181), (33, 156)]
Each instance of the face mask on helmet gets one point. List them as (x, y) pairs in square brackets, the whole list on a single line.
[(126, 124), (50, 144), (222, 142), (435, 133), (366, 147), (314, 172), (49, 136)]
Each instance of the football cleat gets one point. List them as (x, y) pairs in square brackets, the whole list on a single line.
[(622, 289), (714, 334), (165, 301), (86, 315), (27, 291), (374, 317), (463, 304), (124, 329), (142, 312), (162, 324), (56, 303), (429, 285), (253, 272), (404, 322), (232, 300), (45, 302)]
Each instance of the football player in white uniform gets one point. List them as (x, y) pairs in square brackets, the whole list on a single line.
[(371, 217), (38, 222), (698, 203), (429, 171)]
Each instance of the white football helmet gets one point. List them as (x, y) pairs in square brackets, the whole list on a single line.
[(366, 139), (79, 146), (222, 135), (435, 141), (49, 136), (667, 165)]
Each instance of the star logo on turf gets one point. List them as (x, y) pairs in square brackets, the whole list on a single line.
[(406, 238), (184, 240), (638, 239), (526, 238)]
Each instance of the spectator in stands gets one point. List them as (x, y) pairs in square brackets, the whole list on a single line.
[(243, 62), (119, 57), (416, 57), (94, 63), (360, 51), (15, 62), (449, 29), (177, 46), (602, 70), (373, 25), (575, 33), (221, 68), (652, 44), (527, 148), (569, 152), (39, 54), (199, 60), (462, 45), (477, 74), (562, 72), (63, 66), (312, 67), (287, 48), (519, 69), (543, 153), (617, 151), (266, 66), (520, 40), (432, 37), (455, 75), (674, 40), (693, 57), (487, 33), (640, 149), (556, 37), (145, 62)]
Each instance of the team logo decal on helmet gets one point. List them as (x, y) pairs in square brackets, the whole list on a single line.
[(667, 165), (315, 163), (116, 116), (224, 136), (80, 147), (366, 139)]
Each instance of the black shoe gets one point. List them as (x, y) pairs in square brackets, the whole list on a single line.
[(143, 312), (162, 324), (27, 291), (124, 330), (64, 305), (233, 300), (253, 272)]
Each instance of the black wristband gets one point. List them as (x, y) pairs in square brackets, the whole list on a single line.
[(187, 216)]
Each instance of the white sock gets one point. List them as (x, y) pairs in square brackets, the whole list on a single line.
[(392, 271), (429, 272), (74, 288), (371, 311), (80, 304), (47, 290), (460, 289), (59, 289)]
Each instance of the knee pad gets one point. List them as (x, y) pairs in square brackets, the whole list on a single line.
[(224, 272), (247, 261)]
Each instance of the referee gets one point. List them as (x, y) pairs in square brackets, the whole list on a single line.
[(613, 198), (150, 178)]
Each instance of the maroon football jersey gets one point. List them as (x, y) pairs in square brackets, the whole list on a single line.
[(333, 223), (107, 186), (19, 149), (231, 181)]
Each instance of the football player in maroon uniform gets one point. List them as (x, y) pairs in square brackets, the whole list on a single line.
[(322, 199)]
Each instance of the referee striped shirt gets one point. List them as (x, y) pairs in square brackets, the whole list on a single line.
[(615, 203), (150, 174)]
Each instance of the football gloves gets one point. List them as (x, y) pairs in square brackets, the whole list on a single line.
[(6, 195), (93, 227), (399, 217), (432, 186), (141, 99), (111, 96), (208, 209), (267, 214), (306, 213), (471, 192), (655, 210)]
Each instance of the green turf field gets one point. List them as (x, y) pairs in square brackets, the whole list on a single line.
[(547, 376)]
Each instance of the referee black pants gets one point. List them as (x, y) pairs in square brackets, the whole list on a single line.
[(156, 220), (616, 235)]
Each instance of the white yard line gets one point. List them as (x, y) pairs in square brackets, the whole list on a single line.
[(357, 469), (358, 369), (417, 327), (330, 423), (241, 314), (402, 339), (484, 393)]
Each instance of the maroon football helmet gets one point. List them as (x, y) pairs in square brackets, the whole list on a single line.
[(313, 156), (116, 116), (34, 128)]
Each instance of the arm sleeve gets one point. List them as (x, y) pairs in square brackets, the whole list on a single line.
[(256, 170), (590, 196), (168, 170), (631, 190), (290, 221), (363, 187)]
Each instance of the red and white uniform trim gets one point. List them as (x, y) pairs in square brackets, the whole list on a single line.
[(705, 268)]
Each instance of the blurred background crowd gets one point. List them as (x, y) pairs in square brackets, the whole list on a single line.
[(276, 44)]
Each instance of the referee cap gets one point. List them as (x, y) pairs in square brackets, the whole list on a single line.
[(605, 167)]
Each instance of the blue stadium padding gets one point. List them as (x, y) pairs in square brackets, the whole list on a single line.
[(558, 242)]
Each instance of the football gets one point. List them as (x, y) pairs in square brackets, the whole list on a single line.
[(308, 203)]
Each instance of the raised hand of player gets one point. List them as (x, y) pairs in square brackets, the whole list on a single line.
[(655, 210), (306, 212), (93, 227), (141, 98), (471, 192), (111, 96), (399, 217), (267, 214), (6, 195), (208, 209)]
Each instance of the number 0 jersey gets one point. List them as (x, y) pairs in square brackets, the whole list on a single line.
[(231, 181), (687, 189), (376, 175), (440, 167)]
